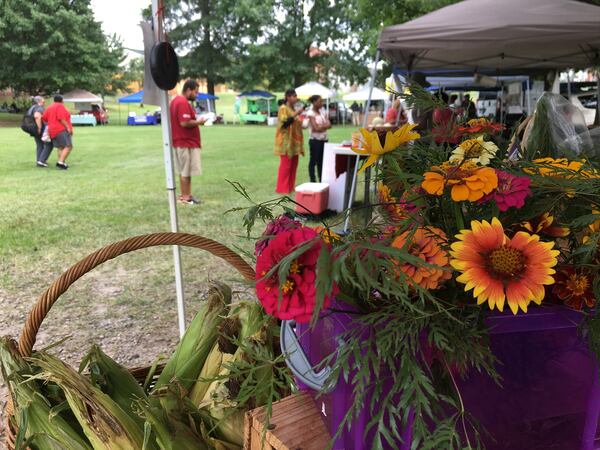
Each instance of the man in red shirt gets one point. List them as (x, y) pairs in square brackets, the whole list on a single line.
[(186, 139), (60, 130)]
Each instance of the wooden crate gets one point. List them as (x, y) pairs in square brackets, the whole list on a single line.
[(296, 424)]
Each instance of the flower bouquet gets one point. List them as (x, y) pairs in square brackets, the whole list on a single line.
[(463, 235)]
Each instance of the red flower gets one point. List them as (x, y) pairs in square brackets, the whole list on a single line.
[(511, 191), (274, 227), (298, 289), (479, 126), (574, 287)]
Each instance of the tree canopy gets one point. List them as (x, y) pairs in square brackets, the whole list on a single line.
[(55, 45)]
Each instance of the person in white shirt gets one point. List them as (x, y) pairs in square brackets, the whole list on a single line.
[(318, 124)]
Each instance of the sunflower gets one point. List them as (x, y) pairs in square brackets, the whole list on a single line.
[(467, 180), (372, 144), (424, 243), (476, 150), (499, 269)]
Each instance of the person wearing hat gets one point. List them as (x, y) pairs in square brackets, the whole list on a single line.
[(60, 129), (42, 149)]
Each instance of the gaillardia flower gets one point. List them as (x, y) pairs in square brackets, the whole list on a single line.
[(424, 243), (499, 269), (372, 145), (511, 191), (467, 180), (544, 224), (574, 287), (476, 150)]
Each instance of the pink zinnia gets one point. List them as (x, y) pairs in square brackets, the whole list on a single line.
[(511, 191), (274, 227)]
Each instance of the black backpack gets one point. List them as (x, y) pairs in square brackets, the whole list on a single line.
[(28, 125)]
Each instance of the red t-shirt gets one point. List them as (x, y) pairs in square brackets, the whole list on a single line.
[(53, 115), (182, 111)]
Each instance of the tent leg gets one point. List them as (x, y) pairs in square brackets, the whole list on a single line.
[(528, 98), (364, 124), (170, 181)]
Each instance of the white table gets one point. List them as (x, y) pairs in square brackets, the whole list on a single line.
[(339, 187)]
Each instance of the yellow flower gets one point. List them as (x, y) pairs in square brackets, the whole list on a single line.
[(499, 269), (467, 180), (476, 150), (372, 144), (328, 235), (562, 168)]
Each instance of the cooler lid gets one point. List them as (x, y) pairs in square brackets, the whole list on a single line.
[(312, 187)]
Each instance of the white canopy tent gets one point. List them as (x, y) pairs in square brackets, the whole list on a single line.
[(362, 95), (507, 37), (81, 96), (314, 88)]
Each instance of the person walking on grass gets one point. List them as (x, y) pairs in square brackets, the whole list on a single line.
[(289, 142), (318, 123), (42, 149), (60, 129), (186, 140)]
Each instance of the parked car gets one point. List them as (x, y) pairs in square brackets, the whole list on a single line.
[(339, 113), (99, 112), (587, 103)]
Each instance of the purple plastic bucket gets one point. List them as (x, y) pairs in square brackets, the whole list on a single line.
[(549, 399)]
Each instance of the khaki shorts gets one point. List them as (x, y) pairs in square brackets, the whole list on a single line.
[(187, 161)]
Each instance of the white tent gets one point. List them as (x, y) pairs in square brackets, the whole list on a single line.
[(81, 96), (314, 88), (362, 95), (503, 36)]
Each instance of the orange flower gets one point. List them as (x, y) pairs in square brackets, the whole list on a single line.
[(499, 269), (562, 168), (328, 235), (424, 243), (543, 225), (397, 210), (467, 180)]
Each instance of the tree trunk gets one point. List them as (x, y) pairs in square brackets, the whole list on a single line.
[(207, 44)]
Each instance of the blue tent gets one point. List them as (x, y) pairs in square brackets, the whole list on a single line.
[(203, 96), (132, 98), (256, 94)]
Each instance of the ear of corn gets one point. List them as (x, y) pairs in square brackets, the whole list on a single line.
[(197, 342), (105, 424), (181, 372), (114, 380), (211, 369), (171, 434), (33, 416)]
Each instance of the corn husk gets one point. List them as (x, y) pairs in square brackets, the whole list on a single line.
[(170, 433), (211, 369), (114, 380), (104, 423), (39, 425)]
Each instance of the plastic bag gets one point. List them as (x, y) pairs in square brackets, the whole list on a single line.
[(557, 130)]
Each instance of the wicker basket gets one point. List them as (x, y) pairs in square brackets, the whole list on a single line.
[(62, 283)]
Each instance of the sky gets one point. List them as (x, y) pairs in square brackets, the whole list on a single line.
[(122, 17)]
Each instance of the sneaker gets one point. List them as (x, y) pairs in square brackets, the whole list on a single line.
[(41, 164), (189, 201), (61, 165)]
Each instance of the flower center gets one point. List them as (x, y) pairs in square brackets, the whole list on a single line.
[(506, 261), (578, 284), (295, 267), (472, 148), (287, 287)]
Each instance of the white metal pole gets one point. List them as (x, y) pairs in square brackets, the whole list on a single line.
[(364, 124), (528, 97), (597, 121), (170, 181)]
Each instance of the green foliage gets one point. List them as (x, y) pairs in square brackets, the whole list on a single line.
[(55, 45)]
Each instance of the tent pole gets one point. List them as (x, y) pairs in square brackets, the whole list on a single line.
[(170, 181), (568, 84), (528, 98), (597, 121), (364, 124)]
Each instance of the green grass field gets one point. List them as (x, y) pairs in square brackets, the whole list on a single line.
[(115, 189)]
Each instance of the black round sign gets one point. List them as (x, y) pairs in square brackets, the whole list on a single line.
[(164, 66)]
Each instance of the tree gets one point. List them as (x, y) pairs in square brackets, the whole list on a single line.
[(131, 74), (308, 40), (209, 35), (51, 45)]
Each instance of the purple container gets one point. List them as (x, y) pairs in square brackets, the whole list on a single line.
[(549, 399)]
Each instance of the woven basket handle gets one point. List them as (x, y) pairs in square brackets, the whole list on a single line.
[(62, 283)]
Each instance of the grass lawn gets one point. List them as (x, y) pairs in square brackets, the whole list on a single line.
[(114, 189)]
